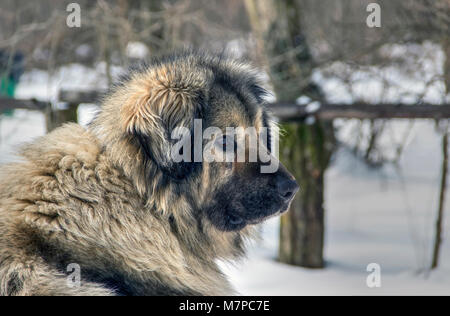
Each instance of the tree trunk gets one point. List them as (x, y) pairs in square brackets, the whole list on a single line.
[(305, 149), (302, 228), (440, 215)]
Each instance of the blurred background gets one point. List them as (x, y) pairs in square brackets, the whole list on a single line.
[(372, 216)]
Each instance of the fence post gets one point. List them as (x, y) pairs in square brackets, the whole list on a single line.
[(54, 118)]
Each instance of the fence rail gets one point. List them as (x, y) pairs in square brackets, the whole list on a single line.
[(11, 104), (285, 112), (293, 112)]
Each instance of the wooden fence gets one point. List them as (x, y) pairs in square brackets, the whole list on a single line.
[(285, 112)]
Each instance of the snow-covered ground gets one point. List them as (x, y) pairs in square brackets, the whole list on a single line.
[(383, 216)]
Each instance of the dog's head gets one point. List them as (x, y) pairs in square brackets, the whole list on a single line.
[(200, 128)]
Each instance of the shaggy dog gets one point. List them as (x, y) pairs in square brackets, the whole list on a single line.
[(105, 210)]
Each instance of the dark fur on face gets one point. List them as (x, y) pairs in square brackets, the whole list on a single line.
[(247, 198)]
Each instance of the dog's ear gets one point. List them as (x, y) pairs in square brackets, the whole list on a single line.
[(160, 100)]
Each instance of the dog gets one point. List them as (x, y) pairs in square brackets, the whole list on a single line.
[(106, 210)]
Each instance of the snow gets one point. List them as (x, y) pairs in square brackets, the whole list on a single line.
[(310, 120), (84, 50), (313, 107), (420, 80), (137, 50), (42, 86), (303, 100), (23, 127), (384, 215)]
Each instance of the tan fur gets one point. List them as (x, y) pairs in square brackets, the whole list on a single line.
[(85, 192)]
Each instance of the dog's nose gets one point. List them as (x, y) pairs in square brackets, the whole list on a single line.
[(287, 188)]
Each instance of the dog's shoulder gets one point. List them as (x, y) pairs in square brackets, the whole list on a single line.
[(47, 173), (70, 140), (67, 156)]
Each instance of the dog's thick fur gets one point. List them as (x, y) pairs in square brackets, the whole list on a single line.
[(109, 198)]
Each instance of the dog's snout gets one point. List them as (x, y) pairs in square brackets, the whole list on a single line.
[(287, 188)]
